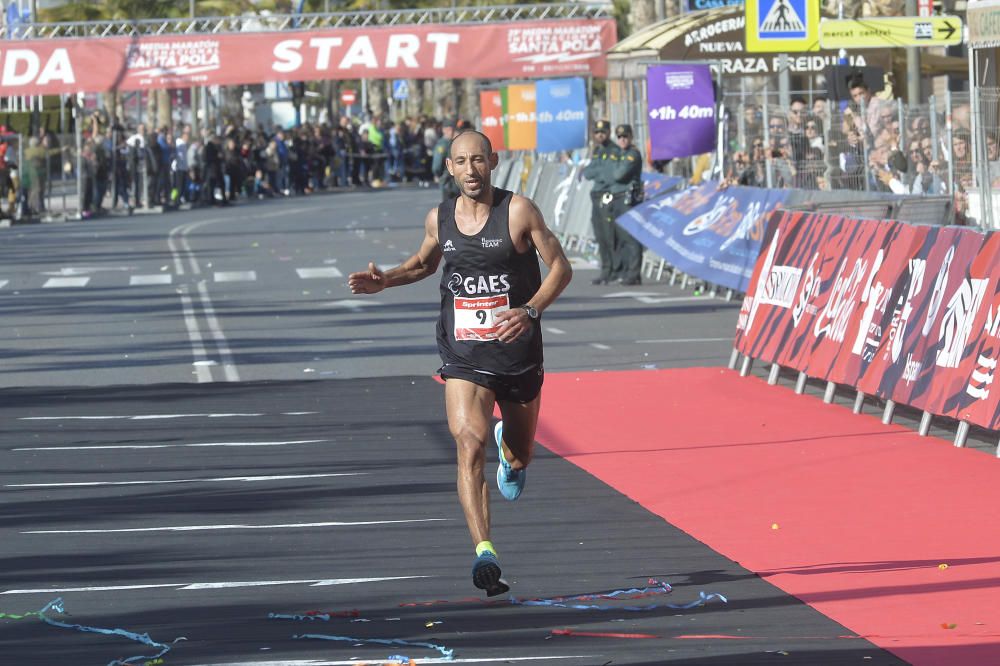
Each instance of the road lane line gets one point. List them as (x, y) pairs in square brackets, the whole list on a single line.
[(210, 586), (145, 280), (170, 446), (61, 282), (202, 371), (221, 344), (207, 528), (311, 583), (148, 417), (314, 273), (235, 276), (667, 340), (420, 660), (217, 479)]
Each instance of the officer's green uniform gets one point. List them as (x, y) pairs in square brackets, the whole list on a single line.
[(602, 160), (626, 191), (449, 188)]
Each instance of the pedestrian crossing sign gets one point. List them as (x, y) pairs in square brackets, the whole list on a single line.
[(782, 25)]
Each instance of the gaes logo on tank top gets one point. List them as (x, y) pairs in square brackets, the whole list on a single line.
[(483, 284)]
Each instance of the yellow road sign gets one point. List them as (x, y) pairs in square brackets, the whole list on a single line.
[(889, 32)]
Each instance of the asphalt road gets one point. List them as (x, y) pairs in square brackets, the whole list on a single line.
[(206, 439)]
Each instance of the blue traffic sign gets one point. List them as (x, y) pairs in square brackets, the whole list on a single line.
[(400, 89)]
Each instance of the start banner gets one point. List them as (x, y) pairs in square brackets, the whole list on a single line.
[(902, 312), (511, 50)]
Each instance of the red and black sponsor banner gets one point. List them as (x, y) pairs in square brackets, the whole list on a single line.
[(930, 350), (767, 319), (904, 312), (517, 49), (851, 302)]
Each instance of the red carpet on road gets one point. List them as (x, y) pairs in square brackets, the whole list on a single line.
[(895, 536)]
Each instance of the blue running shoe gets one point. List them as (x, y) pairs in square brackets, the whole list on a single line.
[(510, 481), (486, 574)]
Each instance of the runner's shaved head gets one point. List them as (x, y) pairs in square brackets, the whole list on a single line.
[(469, 134)]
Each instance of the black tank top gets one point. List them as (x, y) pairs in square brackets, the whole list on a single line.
[(483, 275)]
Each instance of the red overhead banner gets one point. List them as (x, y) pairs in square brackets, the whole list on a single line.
[(520, 49)]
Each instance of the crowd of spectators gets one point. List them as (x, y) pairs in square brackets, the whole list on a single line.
[(123, 169), (866, 145)]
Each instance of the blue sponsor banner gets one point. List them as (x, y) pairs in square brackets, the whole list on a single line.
[(658, 184), (561, 113), (713, 234)]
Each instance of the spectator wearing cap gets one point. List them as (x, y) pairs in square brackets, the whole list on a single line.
[(626, 191), (603, 157), (449, 189)]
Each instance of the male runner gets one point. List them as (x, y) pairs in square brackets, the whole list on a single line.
[(489, 333)]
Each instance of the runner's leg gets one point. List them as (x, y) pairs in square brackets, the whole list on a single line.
[(470, 408), (519, 423)]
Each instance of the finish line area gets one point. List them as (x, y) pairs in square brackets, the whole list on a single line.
[(317, 523)]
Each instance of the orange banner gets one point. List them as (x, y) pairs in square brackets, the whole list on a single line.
[(518, 49), (491, 115), (521, 131)]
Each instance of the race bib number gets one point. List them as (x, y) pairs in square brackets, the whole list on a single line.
[(475, 318)]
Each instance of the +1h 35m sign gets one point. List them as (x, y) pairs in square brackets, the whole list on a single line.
[(782, 25)]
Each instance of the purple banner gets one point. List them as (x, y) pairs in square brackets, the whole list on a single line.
[(681, 110)]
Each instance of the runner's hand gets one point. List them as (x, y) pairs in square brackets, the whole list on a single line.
[(371, 281), (513, 323)]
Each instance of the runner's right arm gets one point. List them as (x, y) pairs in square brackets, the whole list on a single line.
[(422, 264)]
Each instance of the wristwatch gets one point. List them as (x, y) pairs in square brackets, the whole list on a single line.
[(532, 312)]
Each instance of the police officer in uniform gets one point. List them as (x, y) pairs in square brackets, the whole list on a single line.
[(449, 189), (602, 158), (626, 191)]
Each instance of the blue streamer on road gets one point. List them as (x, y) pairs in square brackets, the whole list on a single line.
[(57, 606), (448, 654), (656, 588)]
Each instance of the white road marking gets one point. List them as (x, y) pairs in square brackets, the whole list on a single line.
[(108, 588), (421, 660), (4, 283), (147, 417), (664, 340), (59, 282), (86, 270), (205, 528), (311, 273), (311, 583), (211, 586), (235, 276), (229, 365), (144, 280), (650, 300), (555, 331), (351, 303), (218, 479), (201, 368), (168, 446), (598, 345)]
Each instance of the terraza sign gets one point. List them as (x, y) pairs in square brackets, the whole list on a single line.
[(521, 49), (723, 41)]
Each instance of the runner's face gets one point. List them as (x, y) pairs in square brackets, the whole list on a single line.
[(471, 164)]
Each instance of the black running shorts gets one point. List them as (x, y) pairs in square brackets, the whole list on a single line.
[(521, 388)]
